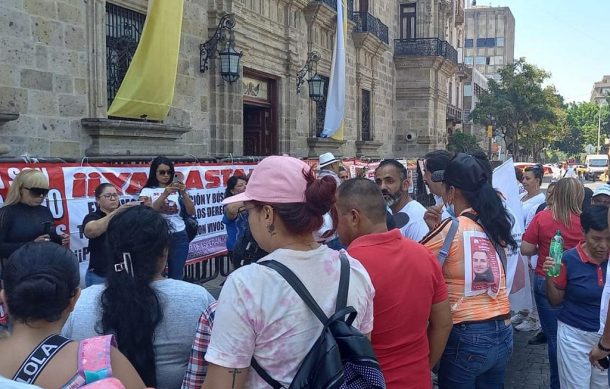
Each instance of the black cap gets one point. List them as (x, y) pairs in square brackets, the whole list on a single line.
[(463, 172)]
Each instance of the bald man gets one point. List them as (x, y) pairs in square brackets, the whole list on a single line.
[(411, 308)]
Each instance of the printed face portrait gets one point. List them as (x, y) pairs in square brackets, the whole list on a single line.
[(480, 262)]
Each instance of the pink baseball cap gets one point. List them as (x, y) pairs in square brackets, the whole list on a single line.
[(276, 179)]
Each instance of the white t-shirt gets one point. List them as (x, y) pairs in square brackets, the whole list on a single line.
[(603, 308), (416, 228), (260, 315), (529, 207), (171, 210), (5, 383)]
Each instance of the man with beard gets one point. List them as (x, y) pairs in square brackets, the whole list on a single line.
[(391, 177)]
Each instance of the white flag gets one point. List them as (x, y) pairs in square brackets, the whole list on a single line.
[(335, 101)]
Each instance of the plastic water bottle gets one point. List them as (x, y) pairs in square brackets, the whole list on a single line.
[(556, 252)]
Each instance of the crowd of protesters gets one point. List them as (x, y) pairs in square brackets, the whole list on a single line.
[(427, 283)]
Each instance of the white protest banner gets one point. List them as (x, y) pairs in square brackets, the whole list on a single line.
[(517, 274), (72, 197)]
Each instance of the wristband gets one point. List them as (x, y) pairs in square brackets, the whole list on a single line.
[(601, 347)]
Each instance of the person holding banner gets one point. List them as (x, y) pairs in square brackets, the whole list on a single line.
[(481, 340), (23, 218), (165, 193), (95, 225), (531, 179)]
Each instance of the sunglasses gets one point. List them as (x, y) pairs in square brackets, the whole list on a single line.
[(164, 172), (38, 192)]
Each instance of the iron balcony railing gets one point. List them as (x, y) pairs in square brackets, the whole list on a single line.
[(365, 22), (425, 47), (454, 113)]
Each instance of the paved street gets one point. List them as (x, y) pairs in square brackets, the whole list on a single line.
[(528, 367)]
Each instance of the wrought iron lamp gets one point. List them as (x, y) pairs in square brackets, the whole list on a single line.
[(315, 82), (229, 57)]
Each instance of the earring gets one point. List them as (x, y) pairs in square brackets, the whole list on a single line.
[(271, 229)]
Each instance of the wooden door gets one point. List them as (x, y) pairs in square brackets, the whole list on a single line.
[(258, 134)]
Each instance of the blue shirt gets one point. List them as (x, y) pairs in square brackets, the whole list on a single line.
[(235, 229), (583, 282)]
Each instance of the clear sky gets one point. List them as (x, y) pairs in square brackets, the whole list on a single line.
[(568, 38)]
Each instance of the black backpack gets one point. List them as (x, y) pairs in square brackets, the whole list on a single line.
[(246, 250), (341, 357)]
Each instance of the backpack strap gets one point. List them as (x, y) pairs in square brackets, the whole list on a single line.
[(264, 375), (302, 291), (343, 282), (442, 255), (35, 363)]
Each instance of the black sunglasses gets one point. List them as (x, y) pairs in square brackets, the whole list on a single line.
[(37, 192), (164, 172)]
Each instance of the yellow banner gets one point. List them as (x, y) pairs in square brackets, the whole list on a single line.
[(147, 90)]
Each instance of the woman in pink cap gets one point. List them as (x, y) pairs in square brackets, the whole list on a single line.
[(259, 316)]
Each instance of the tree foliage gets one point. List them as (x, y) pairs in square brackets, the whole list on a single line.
[(522, 111), (464, 143), (582, 120)]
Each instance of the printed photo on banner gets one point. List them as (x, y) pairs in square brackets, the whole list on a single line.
[(482, 265)]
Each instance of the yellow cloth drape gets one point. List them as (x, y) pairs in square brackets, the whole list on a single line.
[(148, 86)]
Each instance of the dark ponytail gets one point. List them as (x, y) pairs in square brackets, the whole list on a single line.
[(493, 216), (40, 279), (131, 308)]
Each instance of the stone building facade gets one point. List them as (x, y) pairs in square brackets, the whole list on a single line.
[(401, 62), (601, 91)]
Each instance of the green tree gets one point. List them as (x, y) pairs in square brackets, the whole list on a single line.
[(583, 119), (464, 143), (519, 107)]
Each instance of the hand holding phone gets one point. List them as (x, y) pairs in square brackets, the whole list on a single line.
[(176, 179), (46, 227)]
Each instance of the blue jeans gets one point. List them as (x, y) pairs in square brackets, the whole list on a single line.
[(93, 279), (548, 321), (476, 356), (178, 252)]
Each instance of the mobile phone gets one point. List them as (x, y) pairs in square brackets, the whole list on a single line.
[(176, 178), (46, 228), (604, 362)]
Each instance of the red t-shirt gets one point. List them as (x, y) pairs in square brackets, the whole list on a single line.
[(407, 280), (543, 228)]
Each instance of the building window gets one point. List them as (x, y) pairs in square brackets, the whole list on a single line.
[(321, 108), (467, 90), (486, 42), (468, 43), (366, 115), (408, 18), (123, 30), (500, 41), (479, 60), (468, 60)]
